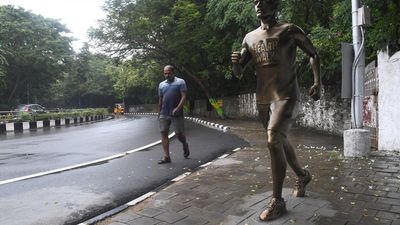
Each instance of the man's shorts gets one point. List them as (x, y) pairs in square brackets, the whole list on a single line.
[(177, 123), (278, 116)]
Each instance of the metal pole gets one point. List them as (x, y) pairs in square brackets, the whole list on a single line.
[(356, 141), (359, 68)]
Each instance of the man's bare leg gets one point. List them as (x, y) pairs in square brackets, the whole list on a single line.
[(182, 139), (165, 145)]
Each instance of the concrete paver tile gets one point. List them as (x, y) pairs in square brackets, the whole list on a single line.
[(232, 220), (253, 200), (150, 212), (170, 217), (326, 212), (395, 209), (185, 186), (391, 201), (192, 220), (183, 198), (330, 221), (174, 206), (380, 206), (395, 195), (388, 215), (193, 210), (387, 188), (143, 221), (396, 222), (164, 195), (374, 221), (117, 223), (376, 193), (370, 212), (126, 216)]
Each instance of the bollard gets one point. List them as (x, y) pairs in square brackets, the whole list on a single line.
[(32, 125), (357, 143)]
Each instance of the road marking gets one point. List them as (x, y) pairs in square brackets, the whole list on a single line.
[(116, 156)]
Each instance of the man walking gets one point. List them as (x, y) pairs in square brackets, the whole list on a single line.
[(272, 47), (172, 96)]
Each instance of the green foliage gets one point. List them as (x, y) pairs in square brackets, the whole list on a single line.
[(6, 118), (86, 83), (385, 27), (36, 50), (26, 117), (37, 63)]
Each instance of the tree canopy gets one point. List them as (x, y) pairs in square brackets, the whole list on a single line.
[(139, 37), (36, 53)]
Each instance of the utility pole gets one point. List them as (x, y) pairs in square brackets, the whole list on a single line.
[(357, 141), (358, 69)]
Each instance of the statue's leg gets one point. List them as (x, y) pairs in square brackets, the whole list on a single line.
[(291, 158), (277, 205), (278, 161), (276, 150), (281, 119), (303, 175)]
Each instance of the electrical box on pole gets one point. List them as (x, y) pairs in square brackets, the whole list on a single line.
[(364, 16), (347, 64)]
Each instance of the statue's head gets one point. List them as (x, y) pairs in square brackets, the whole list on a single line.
[(266, 8)]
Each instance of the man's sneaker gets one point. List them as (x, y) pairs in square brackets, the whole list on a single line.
[(275, 209), (300, 185)]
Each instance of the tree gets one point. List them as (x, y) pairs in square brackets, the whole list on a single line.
[(135, 81), (385, 28), (37, 53), (165, 32), (87, 83)]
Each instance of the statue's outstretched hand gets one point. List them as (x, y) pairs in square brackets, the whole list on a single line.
[(314, 92), (235, 57)]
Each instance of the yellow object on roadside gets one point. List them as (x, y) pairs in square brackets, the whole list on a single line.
[(119, 108)]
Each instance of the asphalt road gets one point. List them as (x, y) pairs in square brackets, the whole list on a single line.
[(75, 195)]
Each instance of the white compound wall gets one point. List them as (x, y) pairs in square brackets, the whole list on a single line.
[(389, 101)]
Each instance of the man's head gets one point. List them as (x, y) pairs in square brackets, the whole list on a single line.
[(169, 73), (266, 8)]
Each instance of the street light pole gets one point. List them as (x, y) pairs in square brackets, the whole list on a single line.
[(358, 68), (357, 141)]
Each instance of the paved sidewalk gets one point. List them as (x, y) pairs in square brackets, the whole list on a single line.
[(235, 189)]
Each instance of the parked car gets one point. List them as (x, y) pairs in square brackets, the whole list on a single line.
[(30, 108)]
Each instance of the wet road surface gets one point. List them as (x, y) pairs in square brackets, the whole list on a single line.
[(76, 195)]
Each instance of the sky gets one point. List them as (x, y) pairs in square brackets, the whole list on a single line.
[(77, 15)]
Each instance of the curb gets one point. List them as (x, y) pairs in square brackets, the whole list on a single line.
[(26, 126), (194, 119)]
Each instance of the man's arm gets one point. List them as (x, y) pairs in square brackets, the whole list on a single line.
[(160, 102), (181, 102), (305, 44)]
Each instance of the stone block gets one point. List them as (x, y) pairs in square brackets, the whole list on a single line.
[(357, 143)]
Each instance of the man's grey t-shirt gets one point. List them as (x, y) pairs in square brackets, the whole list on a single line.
[(170, 92)]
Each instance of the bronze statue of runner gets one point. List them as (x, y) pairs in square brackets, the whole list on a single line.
[(272, 47)]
